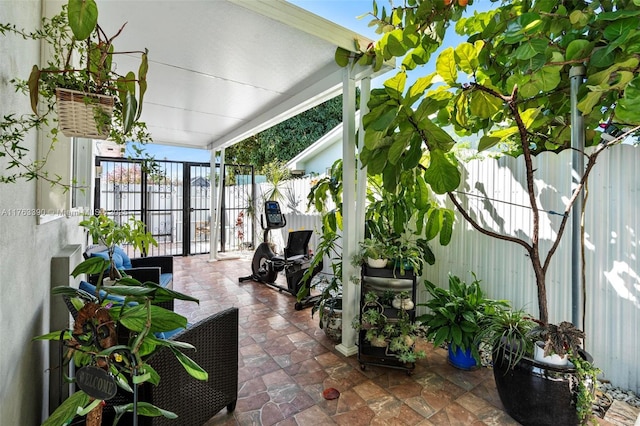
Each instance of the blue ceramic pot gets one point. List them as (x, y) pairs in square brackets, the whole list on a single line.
[(462, 360)]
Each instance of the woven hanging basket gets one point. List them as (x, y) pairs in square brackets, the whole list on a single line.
[(77, 112)]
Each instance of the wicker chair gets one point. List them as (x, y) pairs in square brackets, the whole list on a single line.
[(194, 401)]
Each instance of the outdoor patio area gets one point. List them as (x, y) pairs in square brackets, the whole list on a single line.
[(285, 363)]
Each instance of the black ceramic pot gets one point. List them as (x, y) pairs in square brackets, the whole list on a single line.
[(536, 394)]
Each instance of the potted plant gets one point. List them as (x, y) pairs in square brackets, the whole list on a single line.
[(398, 334), (402, 300), (403, 338), (109, 235), (513, 97), (455, 318), (384, 214), (521, 367), (554, 342), (403, 217), (80, 76), (374, 252), (114, 333), (507, 331), (409, 253)]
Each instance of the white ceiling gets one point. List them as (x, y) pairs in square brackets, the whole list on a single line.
[(223, 70)]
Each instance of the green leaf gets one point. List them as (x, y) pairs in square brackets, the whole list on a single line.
[(342, 57), (135, 319), (144, 409), (395, 85), (378, 161), (578, 49), (456, 334), (142, 81), (590, 100), (446, 230), (602, 57), (483, 104), (34, 85), (390, 177), (414, 154), (433, 224), (629, 112), (442, 175), (83, 17), (441, 336), (578, 18), (418, 88), (394, 44), (398, 147), (547, 78), (191, 366), (92, 265), (446, 66), (487, 142), (68, 409), (531, 48), (422, 193), (54, 335), (129, 109), (528, 116), (620, 29), (437, 139), (467, 57)]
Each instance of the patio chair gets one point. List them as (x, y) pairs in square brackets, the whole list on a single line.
[(194, 401)]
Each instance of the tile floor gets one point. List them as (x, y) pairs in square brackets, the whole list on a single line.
[(286, 361)]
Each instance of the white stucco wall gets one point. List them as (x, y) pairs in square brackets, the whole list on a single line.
[(26, 248)]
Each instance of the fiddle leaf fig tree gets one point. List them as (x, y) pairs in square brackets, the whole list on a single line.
[(508, 84)]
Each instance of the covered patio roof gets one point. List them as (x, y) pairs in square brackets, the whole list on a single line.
[(223, 70)]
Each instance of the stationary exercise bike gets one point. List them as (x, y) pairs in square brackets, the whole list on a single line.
[(295, 261)]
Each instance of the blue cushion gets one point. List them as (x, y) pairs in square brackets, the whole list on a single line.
[(165, 279), (126, 261), (91, 289), (117, 259), (168, 334)]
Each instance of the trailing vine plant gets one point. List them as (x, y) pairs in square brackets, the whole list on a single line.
[(72, 35)]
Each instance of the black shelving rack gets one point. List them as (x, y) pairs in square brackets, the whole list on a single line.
[(380, 280)]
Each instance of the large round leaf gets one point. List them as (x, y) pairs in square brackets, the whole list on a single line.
[(83, 17)]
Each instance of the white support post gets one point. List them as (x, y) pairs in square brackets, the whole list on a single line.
[(216, 205), (349, 236), (361, 188)]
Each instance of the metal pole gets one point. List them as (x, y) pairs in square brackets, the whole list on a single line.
[(576, 75)]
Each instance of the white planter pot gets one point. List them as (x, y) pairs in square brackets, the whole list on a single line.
[(554, 359), (376, 263), (406, 304)]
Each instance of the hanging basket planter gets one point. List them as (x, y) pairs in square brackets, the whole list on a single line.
[(86, 115)]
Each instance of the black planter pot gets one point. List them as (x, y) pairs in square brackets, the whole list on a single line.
[(534, 393)]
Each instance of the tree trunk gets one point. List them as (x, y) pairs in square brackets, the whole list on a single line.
[(542, 290)]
